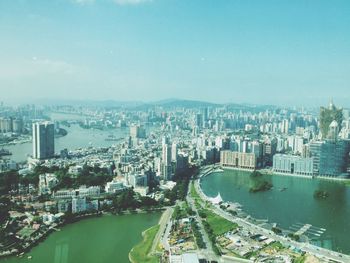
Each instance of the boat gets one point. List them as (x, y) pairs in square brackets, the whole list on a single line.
[(283, 189), (4, 152)]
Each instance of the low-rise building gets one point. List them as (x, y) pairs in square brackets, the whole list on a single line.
[(238, 160), (283, 163)]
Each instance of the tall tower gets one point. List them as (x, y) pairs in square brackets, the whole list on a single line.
[(166, 159), (327, 115), (174, 152), (43, 140), (333, 131)]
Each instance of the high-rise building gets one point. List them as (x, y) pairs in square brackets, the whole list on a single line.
[(17, 125), (43, 140), (333, 131), (137, 132), (174, 152), (205, 116), (284, 126), (166, 160), (327, 116), (6, 125), (199, 120), (330, 157)]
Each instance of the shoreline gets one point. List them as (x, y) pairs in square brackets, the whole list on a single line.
[(308, 245), (51, 229), (271, 172), (43, 236)]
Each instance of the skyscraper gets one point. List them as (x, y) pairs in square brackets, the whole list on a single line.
[(174, 152), (137, 132), (166, 159), (43, 140), (327, 115), (330, 157)]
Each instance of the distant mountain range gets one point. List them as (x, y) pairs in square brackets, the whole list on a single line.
[(166, 104)]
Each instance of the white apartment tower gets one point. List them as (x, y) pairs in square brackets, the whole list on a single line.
[(43, 140)]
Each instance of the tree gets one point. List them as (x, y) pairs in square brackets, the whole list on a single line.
[(4, 209)]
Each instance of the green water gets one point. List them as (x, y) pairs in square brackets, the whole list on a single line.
[(295, 205), (106, 239)]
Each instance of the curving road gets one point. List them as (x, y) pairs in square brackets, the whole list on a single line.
[(314, 250)]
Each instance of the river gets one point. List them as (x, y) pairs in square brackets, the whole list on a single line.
[(77, 137), (105, 239), (290, 208)]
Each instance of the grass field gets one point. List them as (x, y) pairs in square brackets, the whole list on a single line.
[(140, 253), (194, 193), (300, 259), (218, 224)]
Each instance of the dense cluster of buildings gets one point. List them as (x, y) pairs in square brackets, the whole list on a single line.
[(303, 150), (164, 143), (11, 125)]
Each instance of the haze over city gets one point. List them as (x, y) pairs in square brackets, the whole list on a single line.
[(144, 50), (174, 131)]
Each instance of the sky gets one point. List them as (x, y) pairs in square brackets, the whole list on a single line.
[(244, 51)]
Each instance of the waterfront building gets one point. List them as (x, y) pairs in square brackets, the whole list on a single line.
[(238, 160), (269, 149), (331, 157), (63, 206), (291, 164), (137, 132), (6, 125), (17, 125), (79, 205), (43, 140)]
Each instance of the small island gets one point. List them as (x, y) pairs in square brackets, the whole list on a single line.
[(261, 186), (256, 174), (319, 194)]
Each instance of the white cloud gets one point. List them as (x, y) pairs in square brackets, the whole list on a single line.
[(131, 2), (35, 67)]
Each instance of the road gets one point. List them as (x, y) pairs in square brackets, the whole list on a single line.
[(208, 252), (163, 222), (314, 250)]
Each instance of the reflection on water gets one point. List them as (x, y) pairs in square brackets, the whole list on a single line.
[(290, 201), (104, 239), (61, 253)]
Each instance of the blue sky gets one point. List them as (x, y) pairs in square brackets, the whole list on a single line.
[(271, 51)]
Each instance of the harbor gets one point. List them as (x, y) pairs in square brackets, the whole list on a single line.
[(293, 218)]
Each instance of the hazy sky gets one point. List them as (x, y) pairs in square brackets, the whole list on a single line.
[(271, 51)]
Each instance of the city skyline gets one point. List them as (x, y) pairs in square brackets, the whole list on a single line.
[(277, 52)]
